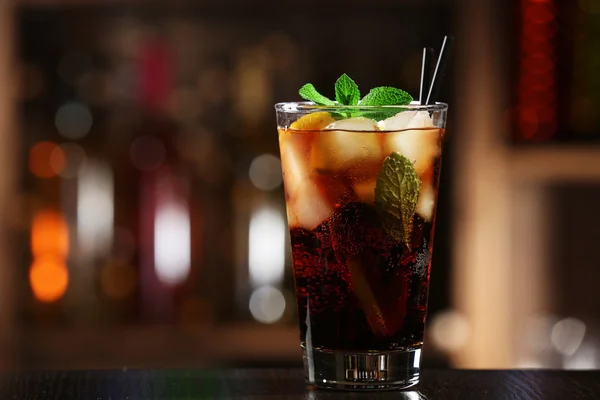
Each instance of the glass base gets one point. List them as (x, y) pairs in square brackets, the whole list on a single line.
[(362, 371)]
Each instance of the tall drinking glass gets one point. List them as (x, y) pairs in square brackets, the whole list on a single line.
[(361, 189)]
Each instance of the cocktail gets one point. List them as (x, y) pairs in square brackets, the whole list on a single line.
[(361, 180)]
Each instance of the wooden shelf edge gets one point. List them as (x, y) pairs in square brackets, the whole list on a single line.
[(557, 164), (158, 346)]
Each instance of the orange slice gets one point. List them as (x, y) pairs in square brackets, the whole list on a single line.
[(313, 121)]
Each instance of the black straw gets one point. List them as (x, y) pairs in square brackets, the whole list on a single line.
[(440, 69), (425, 74)]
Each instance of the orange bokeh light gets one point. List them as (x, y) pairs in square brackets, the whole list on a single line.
[(49, 278), (46, 159), (49, 234)]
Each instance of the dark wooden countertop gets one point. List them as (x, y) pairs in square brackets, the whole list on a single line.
[(269, 384)]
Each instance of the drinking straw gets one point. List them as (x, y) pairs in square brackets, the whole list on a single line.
[(440, 69), (425, 75)]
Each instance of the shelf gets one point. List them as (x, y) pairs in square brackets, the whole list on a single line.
[(556, 164), (163, 347)]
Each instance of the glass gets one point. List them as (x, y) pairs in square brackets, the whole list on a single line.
[(361, 280)]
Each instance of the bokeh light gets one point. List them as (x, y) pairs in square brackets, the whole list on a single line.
[(266, 246), (265, 172), (73, 120), (567, 335), (172, 242), (48, 275), (147, 153), (450, 330), (49, 278), (95, 209), (267, 304), (46, 159), (49, 235)]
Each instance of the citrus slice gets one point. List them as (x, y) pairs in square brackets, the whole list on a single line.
[(313, 121)]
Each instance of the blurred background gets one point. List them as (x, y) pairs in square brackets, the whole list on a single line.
[(142, 213)]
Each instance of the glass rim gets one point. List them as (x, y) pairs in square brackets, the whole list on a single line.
[(303, 106)]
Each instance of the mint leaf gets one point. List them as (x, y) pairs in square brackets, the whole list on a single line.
[(308, 92), (396, 195), (386, 96), (346, 91)]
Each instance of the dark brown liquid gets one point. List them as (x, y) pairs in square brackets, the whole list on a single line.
[(334, 309)]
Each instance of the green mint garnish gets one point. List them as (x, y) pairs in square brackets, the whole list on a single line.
[(396, 195), (308, 92), (346, 91), (386, 96), (348, 94)]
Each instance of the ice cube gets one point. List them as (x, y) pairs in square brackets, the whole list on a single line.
[(426, 202), (307, 207), (354, 124), (421, 146), (397, 122), (358, 145), (420, 120), (294, 162)]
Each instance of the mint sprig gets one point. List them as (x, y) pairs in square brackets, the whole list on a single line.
[(386, 96), (308, 92), (396, 194), (348, 94), (346, 91)]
